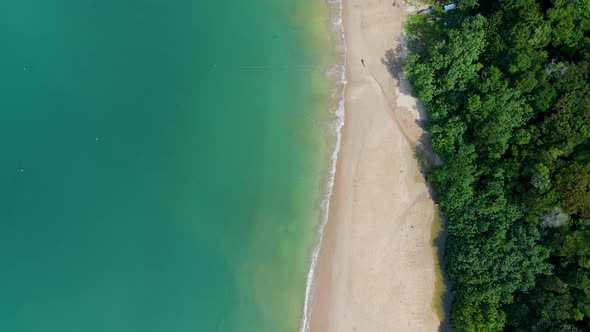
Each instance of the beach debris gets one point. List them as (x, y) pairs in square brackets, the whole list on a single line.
[(363, 62), (427, 11), (450, 6), (434, 19)]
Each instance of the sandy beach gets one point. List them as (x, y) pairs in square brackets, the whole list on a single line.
[(377, 268)]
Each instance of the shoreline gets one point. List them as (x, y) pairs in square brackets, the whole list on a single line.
[(379, 276), (325, 204)]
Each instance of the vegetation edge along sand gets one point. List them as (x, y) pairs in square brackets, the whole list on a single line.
[(506, 85)]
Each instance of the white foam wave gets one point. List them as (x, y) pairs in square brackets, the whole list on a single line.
[(338, 111)]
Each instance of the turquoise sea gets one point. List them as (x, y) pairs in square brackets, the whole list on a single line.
[(162, 163)]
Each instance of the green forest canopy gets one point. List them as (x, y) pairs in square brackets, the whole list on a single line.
[(506, 88)]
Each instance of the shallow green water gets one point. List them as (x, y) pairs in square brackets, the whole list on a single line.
[(162, 163)]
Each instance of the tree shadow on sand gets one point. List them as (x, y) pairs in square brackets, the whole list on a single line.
[(393, 61)]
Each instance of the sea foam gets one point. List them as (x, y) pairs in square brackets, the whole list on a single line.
[(336, 74)]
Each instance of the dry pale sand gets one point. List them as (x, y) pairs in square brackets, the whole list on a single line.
[(376, 270)]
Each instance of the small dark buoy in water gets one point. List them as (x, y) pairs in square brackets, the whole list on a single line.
[(363, 62)]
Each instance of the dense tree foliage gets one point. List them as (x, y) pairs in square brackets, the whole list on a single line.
[(506, 88)]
